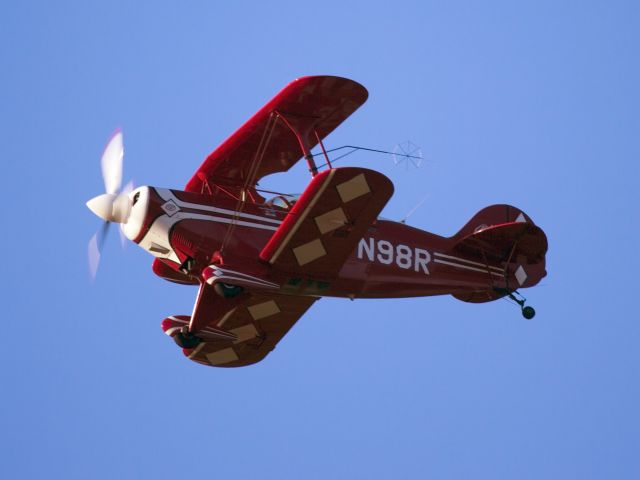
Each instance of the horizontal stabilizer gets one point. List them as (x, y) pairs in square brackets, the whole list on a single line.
[(493, 215), (521, 241)]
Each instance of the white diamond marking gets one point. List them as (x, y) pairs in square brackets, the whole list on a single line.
[(170, 208), (521, 275), (521, 218)]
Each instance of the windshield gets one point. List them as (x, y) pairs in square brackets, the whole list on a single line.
[(286, 202)]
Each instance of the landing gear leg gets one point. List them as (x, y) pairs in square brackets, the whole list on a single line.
[(527, 312)]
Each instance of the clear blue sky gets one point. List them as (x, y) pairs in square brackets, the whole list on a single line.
[(531, 103)]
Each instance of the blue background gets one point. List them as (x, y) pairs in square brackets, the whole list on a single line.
[(530, 103)]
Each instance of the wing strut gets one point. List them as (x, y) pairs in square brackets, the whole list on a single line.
[(251, 178), (209, 305), (303, 140)]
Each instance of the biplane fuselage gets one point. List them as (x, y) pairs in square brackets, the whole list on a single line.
[(189, 232), (260, 264)]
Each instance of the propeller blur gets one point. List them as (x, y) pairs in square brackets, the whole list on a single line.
[(111, 206)]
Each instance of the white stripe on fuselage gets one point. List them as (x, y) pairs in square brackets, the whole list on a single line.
[(467, 267), (210, 218), (464, 260), (159, 231), (167, 195)]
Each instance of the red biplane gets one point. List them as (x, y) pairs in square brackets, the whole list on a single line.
[(261, 263)]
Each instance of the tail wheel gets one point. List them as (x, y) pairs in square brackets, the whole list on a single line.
[(227, 291), (528, 313)]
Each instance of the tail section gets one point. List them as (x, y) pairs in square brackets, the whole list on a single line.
[(511, 247), (493, 215)]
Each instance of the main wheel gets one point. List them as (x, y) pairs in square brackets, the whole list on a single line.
[(227, 291), (188, 340), (528, 313)]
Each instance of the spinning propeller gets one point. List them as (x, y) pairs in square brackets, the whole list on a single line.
[(112, 206)]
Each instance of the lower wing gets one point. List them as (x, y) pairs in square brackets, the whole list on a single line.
[(258, 321)]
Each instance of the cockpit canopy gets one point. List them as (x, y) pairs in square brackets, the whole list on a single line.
[(285, 202)]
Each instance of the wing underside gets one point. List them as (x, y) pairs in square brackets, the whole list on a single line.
[(258, 322)]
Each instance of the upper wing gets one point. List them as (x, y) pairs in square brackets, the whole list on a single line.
[(326, 223), (313, 106), (258, 323)]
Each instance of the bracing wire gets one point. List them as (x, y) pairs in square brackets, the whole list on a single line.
[(355, 149)]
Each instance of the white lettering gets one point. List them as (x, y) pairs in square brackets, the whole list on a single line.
[(422, 258), (385, 255), (366, 247), (385, 252), (403, 256)]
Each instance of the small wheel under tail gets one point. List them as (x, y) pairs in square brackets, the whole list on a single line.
[(528, 312)]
